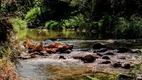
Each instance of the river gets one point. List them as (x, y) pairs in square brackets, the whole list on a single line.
[(38, 68)]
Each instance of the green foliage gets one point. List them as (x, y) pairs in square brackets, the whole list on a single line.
[(52, 24), (129, 28), (33, 14), (18, 24), (74, 21), (2, 51)]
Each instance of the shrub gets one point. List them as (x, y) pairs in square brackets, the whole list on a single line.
[(18, 24), (129, 28), (7, 68), (52, 24), (33, 14), (74, 21)]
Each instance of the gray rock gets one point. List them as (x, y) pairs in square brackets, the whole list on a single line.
[(135, 51), (102, 50), (139, 78), (24, 55)]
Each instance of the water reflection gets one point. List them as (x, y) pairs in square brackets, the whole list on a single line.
[(37, 34)]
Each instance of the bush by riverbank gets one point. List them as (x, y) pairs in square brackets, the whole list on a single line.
[(7, 56)]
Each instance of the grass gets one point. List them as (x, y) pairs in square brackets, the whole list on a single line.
[(7, 68), (79, 73), (69, 73)]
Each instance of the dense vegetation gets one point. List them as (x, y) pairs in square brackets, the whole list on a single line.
[(109, 18)]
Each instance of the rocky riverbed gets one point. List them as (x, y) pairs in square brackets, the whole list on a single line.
[(99, 57)]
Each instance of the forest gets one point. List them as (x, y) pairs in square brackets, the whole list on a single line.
[(109, 18), (71, 39)]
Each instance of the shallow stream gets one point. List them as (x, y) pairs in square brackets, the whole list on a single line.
[(37, 68)]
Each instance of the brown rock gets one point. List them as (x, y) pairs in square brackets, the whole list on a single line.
[(88, 59), (98, 46), (126, 66), (61, 57), (117, 64)]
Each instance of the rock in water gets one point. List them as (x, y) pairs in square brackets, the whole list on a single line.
[(88, 59), (98, 46), (122, 50), (106, 62), (105, 57), (136, 51), (24, 55), (109, 53), (117, 64), (126, 66), (99, 54), (110, 41), (61, 57), (102, 50), (139, 78)]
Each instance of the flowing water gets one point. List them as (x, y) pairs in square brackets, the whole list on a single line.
[(36, 69)]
